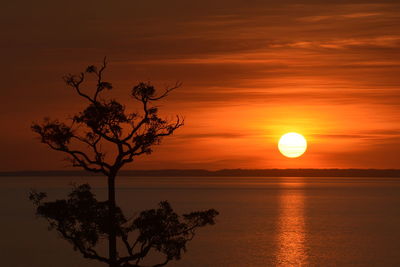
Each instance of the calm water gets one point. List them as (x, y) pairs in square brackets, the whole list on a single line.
[(262, 222)]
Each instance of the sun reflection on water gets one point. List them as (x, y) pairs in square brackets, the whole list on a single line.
[(291, 227)]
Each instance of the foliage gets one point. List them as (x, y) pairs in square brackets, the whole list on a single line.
[(107, 121), (104, 125), (83, 221)]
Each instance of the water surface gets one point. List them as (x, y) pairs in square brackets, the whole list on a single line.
[(262, 222)]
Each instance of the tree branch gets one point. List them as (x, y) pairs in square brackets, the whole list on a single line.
[(75, 83), (167, 91)]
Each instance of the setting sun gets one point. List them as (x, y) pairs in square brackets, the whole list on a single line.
[(292, 145)]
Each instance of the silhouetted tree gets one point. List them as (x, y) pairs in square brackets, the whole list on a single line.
[(81, 219)]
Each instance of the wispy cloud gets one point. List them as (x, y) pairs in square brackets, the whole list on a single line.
[(340, 16)]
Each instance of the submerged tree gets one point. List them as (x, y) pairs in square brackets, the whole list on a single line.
[(84, 221)]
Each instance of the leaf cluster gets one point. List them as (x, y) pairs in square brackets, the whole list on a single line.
[(104, 122), (83, 221)]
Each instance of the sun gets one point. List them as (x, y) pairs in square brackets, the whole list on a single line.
[(292, 145)]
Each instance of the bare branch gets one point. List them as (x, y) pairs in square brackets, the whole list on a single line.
[(167, 91), (75, 82), (100, 84)]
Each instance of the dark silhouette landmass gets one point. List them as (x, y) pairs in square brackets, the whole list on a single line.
[(225, 173)]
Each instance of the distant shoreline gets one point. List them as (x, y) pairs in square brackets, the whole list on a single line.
[(224, 173)]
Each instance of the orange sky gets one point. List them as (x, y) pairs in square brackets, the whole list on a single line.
[(251, 71)]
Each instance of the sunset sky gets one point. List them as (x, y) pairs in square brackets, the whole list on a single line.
[(251, 71)]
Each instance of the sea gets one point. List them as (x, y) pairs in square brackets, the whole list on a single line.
[(263, 221)]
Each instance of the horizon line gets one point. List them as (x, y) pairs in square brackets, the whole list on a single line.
[(294, 172)]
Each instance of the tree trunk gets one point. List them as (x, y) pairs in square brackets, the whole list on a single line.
[(112, 239)]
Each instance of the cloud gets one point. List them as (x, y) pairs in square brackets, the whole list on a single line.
[(339, 16), (377, 136), (211, 135)]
